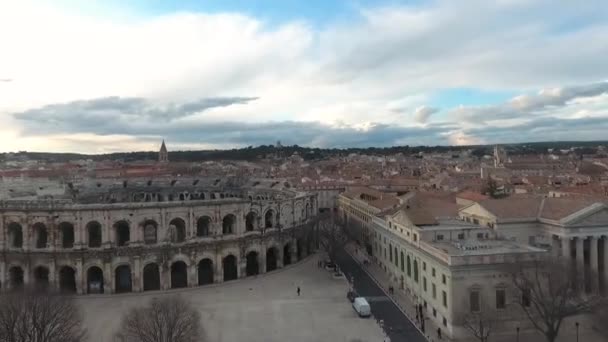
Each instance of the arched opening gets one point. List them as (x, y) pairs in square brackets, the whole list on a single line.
[(228, 224), (151, 277), (205, 272), (179, 275), (41, 277), (150, 232), (409, 267), (177, 227), (94, 280), (15, 275), (252, 264), (299, 248), (123, 233), (67, 280), (271, 259), (41, 235), (287, 254), (94, 233), (269, 219), (203, 226), (15, 235), (229, 267), (307, 212), (122, 278), (67, 234), (250, 221), (415, 270)]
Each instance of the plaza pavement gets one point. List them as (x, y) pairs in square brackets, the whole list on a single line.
[(265, 308)]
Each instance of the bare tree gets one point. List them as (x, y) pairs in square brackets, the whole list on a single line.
[(551, 290), (481, 324), (332, 236), (166, 319), (35, 315)]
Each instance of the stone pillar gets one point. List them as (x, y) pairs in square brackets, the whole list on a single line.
[(27, 241), (53, 283), (27, 274), (108, 279), (165, 277), (3, 237), (192, 280), (78, 232), (580, 259), (80, 277), (565, 246), (219, 269), (262, 262), (137, 281), (107, 231), (555, 252), (3, 277), (594, 263), (605, 241)]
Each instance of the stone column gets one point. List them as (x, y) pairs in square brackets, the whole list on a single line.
[(80, 277), (192, 281), (555, 246), (108, 279), (3, 277), (565, 246), (78, 232), (3, 236), (594, 263), (137, 274), (107, 232), (580, 260), (219, 269), (605, 241), (53, 283)]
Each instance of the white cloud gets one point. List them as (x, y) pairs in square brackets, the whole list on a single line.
[(379, 68)]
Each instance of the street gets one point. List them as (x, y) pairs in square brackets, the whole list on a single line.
[(396, 324)]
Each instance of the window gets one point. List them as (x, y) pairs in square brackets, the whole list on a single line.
[(460, 236), (433, 272), (434, 287), (476, 221), (415, 237), (424, 284), (501, 300), (445, 299), (434, 312), (445, 322), (474, 304), (525, 297), (439, 237), (396, 259), (443, 279), (390, 250), (480, 236), (424, 266)]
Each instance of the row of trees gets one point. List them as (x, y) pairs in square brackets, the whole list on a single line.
[(549, 291), (35, 315)]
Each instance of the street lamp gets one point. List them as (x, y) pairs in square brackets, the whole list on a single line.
[(576, 324), (517, 330)]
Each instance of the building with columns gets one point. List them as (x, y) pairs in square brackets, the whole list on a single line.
[(575, 228), (140, 235), (447, 266)]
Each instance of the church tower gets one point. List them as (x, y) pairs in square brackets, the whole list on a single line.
[(163, 155)]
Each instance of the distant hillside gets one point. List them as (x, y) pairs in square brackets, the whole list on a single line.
[(253, 153)]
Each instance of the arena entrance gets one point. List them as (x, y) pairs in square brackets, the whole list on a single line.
[(94, 280), (229, 266), (41, 277), (67, 280), (253, 267), (123, 279), (271, 259), (179, 275), (205, 272), (151, 277)]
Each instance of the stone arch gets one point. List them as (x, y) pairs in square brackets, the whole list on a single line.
[(271, 259), (15, 235), (203, 226), (269, 219), (228, 224), (179, 274), (41, 234), (205, 271), (122, 279), (66, 230), (150, 232), (123, 233), (15, 277), (287, 254), (95, 281), (151, 277), (253, 267), (251, 221), (41, 277), (177, 229), (67, 279), (94, 234), (229, 265)]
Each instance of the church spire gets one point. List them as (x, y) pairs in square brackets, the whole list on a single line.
[(163, 155)]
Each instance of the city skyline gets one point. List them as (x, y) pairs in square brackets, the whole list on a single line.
[(108, 77)]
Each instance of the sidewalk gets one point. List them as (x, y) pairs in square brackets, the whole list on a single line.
[(400, 299)]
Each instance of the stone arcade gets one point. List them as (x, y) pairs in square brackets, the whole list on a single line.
[(137, 237)]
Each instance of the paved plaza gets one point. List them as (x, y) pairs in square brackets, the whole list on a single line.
[(264, 309)]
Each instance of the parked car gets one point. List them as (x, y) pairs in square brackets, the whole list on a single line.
[(362, 307)]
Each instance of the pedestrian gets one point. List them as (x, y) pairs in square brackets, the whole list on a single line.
[(298, 291), (439, 333)]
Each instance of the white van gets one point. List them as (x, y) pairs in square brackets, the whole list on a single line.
[(362, 307)]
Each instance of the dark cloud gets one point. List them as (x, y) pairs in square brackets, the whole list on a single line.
[(423, 113)]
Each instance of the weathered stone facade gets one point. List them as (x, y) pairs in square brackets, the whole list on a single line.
[(89, 247)]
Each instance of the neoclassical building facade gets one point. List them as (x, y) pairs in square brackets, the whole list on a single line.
[(119, 237)]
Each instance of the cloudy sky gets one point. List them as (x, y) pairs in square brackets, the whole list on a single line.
[(118, 75)]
